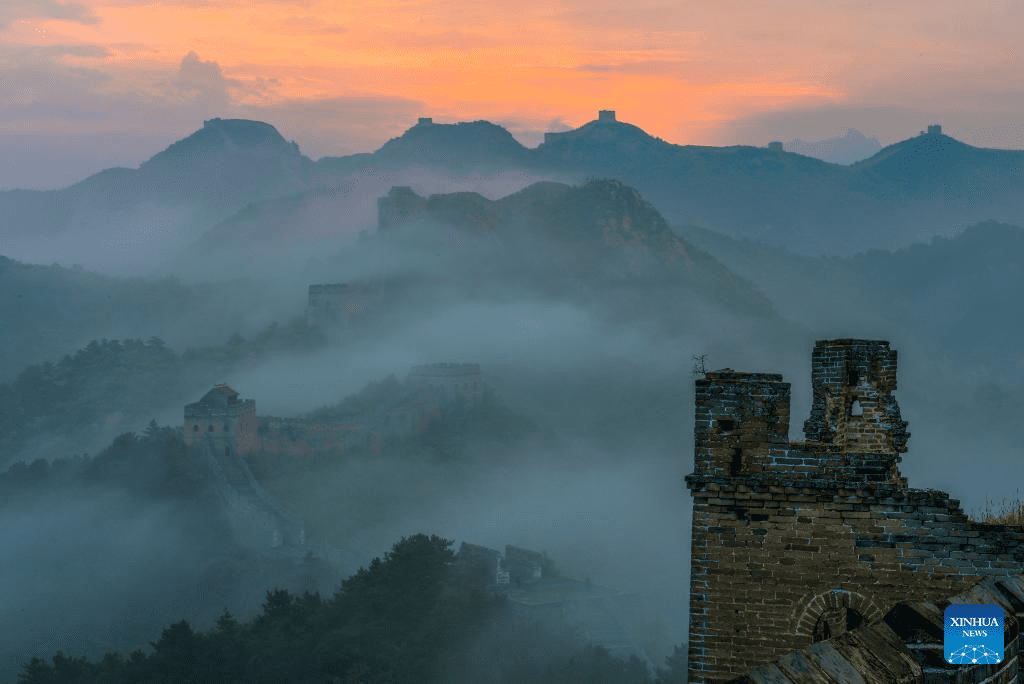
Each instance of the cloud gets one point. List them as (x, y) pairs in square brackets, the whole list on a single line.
[(216, 4), (204, 81), (660, 66), (308, 24), (557, 125), (46, 9)]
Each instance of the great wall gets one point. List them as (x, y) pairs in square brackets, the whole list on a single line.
[(811, 561), (221, 428), (814, 561)]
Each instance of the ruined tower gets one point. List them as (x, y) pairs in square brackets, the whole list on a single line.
[(797, 542)]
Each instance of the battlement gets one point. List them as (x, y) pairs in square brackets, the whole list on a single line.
[(741, 422), (854, 432), (795, 543)]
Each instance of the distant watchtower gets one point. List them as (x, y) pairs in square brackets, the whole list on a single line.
[(935, 129), (606, 115), (775, 146), (399, 205), (425, 121), (223, 418)]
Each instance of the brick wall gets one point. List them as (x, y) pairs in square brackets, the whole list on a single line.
[(797, 543), (905, 646)]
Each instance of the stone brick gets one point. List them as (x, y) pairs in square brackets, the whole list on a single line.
[(794, 527)]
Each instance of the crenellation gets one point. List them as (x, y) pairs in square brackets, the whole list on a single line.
[(831, 514)]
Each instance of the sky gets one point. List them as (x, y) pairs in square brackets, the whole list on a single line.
[(100, 83)]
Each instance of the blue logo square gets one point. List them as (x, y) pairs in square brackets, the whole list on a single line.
[(974, 634)]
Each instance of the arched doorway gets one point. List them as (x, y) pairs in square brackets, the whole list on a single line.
[(835, 621), (835, 612)]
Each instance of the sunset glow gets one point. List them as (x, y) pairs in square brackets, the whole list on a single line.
[(345, 77)]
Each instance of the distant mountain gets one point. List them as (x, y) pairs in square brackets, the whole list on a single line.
[(847, 149), (907, 192), (49, 311), (956, 297), (939, 167), (228, 163), (551, 235), (478, 144), (217, 170)]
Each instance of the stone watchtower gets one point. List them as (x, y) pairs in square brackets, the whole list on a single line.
[(219, 428), (223, 419), (399, 205), (798, 542)]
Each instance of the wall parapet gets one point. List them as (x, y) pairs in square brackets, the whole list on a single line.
[(797, 543)]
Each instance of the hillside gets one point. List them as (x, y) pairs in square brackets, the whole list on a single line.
[(907, 192), (50, 311), (550, 238), (217, 170), (956, 293)]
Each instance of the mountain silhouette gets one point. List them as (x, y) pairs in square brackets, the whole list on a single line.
[(602, 232), (217, 170), (934, 165), (942, 294), (852, 147), (924, 186), (228, 162)]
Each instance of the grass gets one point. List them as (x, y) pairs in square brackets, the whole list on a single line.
[(1008, 512)]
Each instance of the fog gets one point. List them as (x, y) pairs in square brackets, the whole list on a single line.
[(602, 363)]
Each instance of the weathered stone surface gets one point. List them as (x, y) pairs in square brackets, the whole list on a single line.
[(825, 656), (801, 670), (769, 674), (830, 536)]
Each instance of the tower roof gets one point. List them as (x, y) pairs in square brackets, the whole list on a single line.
[(220, 394)]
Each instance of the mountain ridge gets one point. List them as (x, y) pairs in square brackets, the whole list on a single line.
[(910, 190)]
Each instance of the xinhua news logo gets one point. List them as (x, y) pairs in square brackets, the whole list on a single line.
[(974, 634)]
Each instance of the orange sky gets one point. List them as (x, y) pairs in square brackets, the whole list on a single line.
[(342, 77)]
